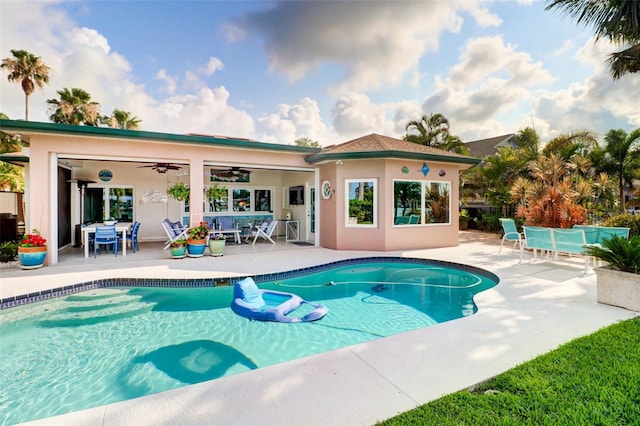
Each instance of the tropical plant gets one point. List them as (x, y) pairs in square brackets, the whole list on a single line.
[(123, 120), (29, 70), (551, 199), (214, 193), (11, 177), (428, 130), (616, 20), (622, 158), (33, 240), (620, 253), (566, 145), (178, 191), (308, 142), (199, 232), (74, 107)]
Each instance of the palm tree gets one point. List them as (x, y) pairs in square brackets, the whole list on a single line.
[(74, 107), (566, 145), (431, 130), (29, 70), (622, 157), (123, 120), (617, 20)]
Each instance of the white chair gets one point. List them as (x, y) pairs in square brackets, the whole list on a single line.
[(265, 230), (175, 231)]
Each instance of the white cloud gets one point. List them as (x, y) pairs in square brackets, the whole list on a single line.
[(291, 122), (213, 65), (355, 115), (170, 83), (376, 45)]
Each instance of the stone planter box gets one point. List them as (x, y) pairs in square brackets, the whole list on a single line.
[(618, 288)]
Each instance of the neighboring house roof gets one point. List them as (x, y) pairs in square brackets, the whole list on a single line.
[(485, 147), (379, 146)]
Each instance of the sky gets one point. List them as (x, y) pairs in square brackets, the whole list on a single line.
[(327, 70)]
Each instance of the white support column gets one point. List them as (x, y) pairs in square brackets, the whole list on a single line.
[(52, 242), (196, 194)]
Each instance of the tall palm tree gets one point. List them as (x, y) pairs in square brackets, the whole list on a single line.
[(74, 107), (623, 155), (124, 120), (431, 130), (617, 20), (29, 70), (566, 145)]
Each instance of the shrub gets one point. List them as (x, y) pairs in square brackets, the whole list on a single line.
[(8, 251), (625, 221), (619, 252)]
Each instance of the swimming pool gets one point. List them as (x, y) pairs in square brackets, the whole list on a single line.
[(115, 343)]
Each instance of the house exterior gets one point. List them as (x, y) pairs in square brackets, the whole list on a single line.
[(371, 193)]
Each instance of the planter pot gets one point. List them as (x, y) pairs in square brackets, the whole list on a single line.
[(216, 247), (195, 248), (178, 252), (618, 288), (32, 257)]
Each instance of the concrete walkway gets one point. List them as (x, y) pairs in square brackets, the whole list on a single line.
[(536, 307)]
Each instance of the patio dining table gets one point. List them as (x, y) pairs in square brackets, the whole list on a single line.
[(121, 228)]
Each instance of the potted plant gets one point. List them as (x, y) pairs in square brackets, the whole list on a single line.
[(197, 239), (32, 250), (618, 283), (178, 191), (178, 248), (216, 244)]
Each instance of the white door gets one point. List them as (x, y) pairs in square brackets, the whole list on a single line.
[(311, 213)]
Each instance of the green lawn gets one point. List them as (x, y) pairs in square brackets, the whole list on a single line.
[(593, 380)]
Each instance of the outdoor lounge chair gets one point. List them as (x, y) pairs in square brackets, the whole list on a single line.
[(510, 233), (105, 235), (175, 231), (265, 230)]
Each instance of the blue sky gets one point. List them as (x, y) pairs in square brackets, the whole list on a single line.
[(328, 70)]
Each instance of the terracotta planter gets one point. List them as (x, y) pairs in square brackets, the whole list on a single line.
[(216, 247), (179, 251), (195, 248), (32, 257), (618, 288)]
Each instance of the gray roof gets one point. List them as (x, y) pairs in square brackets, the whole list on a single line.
[(485, 147)]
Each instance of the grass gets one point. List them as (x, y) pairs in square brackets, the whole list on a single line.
[(592, 380)]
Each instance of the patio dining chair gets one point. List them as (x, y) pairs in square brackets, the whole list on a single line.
[(510, 233), (265, 230), (132, 236), (105, 236)]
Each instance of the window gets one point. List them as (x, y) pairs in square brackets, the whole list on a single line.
[(421, 202), (217, 199), (241, 200), (361, 202), (262, 200), (120, 204)]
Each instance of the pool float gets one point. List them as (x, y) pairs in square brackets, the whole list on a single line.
[(267, 305)]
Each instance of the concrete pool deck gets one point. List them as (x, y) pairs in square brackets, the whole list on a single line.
[(536, 307)]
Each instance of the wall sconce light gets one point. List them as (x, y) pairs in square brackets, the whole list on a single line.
[(339, 163)]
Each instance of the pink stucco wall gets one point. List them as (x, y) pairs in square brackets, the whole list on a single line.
[(385, 237)]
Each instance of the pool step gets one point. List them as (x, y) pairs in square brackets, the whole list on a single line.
[(95, 307)]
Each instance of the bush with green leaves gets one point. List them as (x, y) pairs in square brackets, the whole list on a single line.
[(619, 252), (626, 221), (8, 251)]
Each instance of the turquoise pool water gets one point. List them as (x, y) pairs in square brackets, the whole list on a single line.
[(112, 344)]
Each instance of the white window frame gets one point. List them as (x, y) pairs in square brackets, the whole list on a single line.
[(347, 198)]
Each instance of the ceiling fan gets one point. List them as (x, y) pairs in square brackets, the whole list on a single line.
[(162, 167), (231, 174)]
